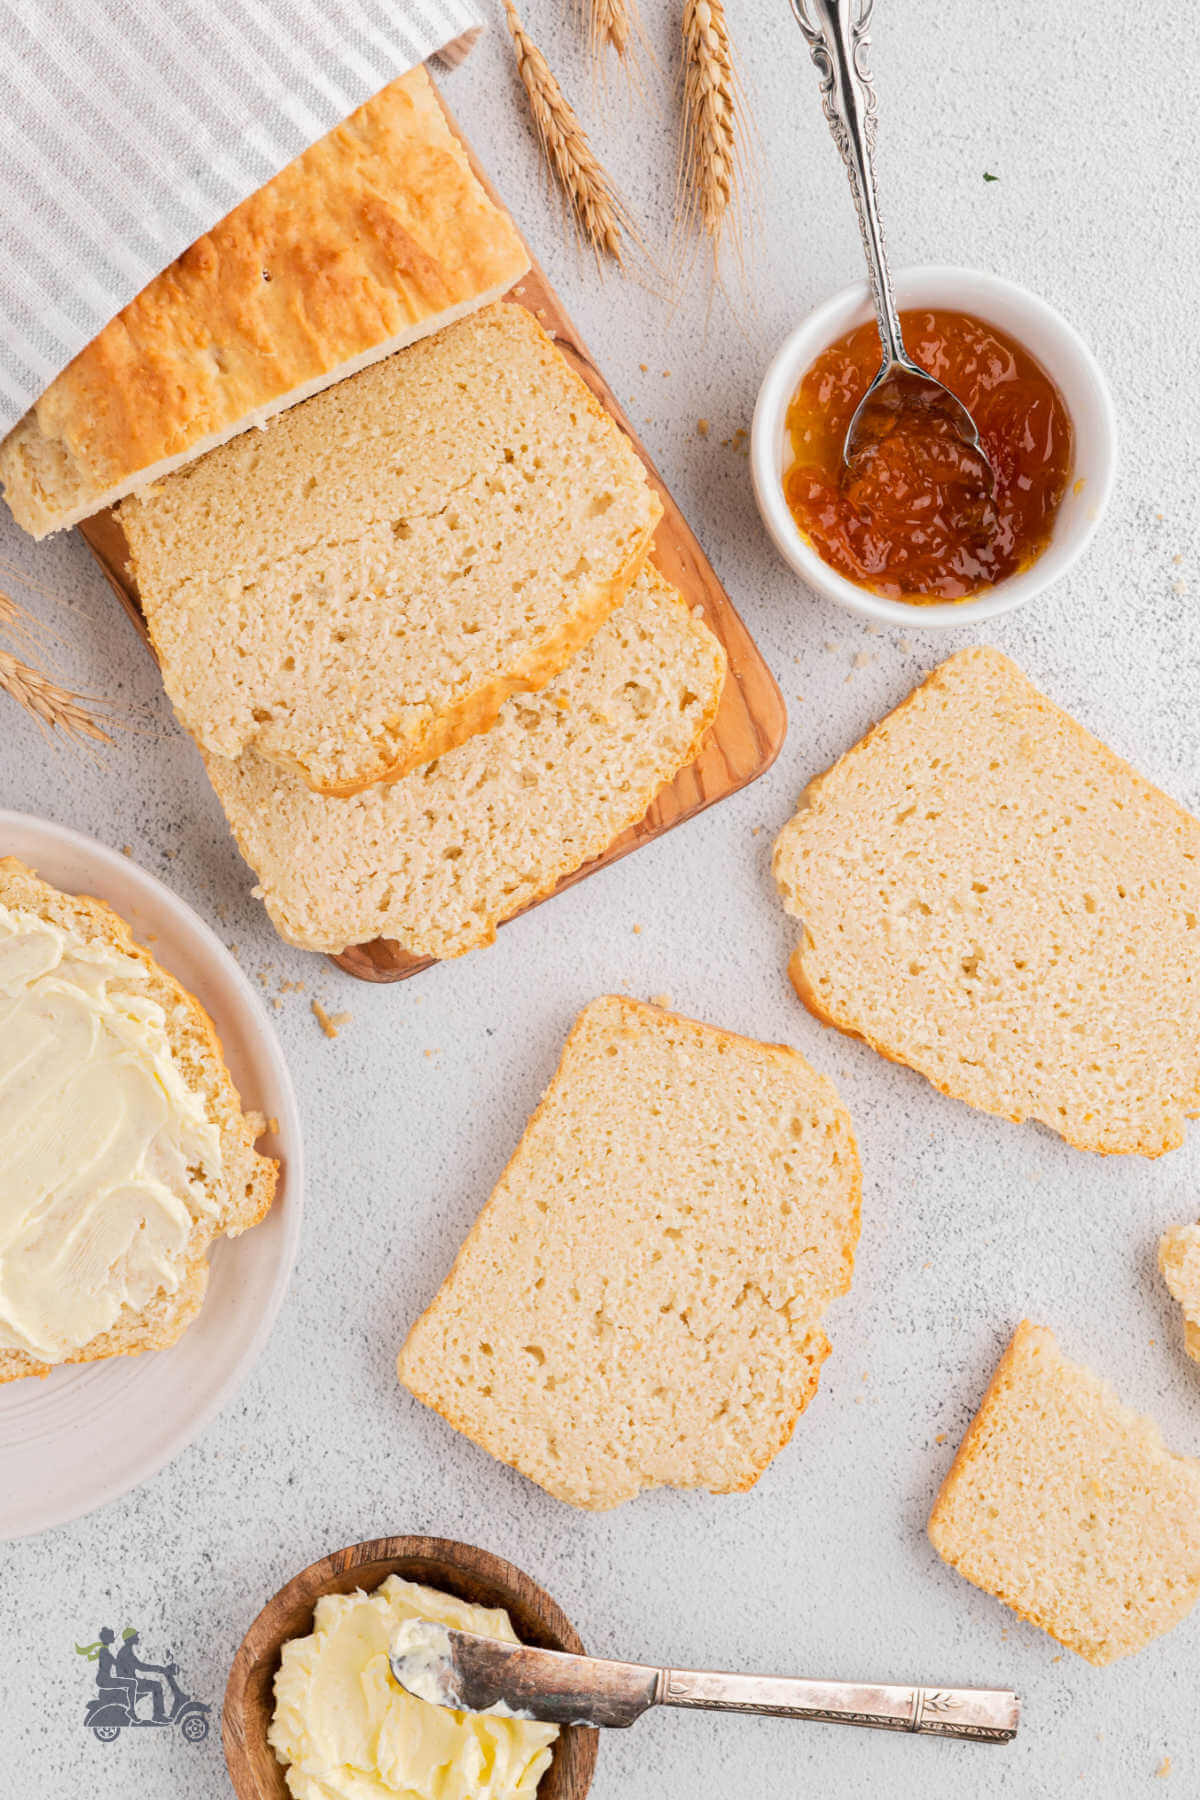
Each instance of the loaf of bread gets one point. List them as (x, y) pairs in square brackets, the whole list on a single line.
[(233, 1194), (991, 896), (361, 587), (436, 860), (376, 235), (1067, 1506), (1179, 1261), (639, 1303)]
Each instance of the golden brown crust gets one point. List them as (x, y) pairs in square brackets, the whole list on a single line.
[(249, 1178), (635, 1016), (378, 232), (1171, 1136), (478, 711)]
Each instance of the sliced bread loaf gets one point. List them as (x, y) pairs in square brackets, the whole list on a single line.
[(1179, 1261), (639, 1302), (361, 587), (991, 896), (70, 1245), (375, 236), (437, 859), (1067, 1506)]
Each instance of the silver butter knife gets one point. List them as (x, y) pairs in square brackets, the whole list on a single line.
[(480, 1674)]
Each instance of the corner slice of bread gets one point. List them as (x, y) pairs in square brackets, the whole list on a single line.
[(639, 1303), (436, 860), (243, 1190), (990, 895), (1179, 1262), (1067, 1505), (376, 235), (361, 587)]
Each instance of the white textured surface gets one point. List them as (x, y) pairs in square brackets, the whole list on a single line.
[(968, 1222)]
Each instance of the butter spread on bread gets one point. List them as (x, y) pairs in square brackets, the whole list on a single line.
[(123, 1145)]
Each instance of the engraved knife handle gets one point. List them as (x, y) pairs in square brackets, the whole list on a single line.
[(984, 1715), (837, 33)]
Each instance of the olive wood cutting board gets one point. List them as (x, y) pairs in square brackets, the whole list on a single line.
[(751, 722)]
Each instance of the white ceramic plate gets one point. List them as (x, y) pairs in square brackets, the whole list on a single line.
[(89, 1433)]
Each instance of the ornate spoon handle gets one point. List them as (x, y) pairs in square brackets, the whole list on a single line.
[(838, 38)]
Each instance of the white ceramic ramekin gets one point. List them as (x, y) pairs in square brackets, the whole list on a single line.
[(1061, 352)]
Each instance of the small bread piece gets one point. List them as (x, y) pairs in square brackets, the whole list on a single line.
[(1067, 1505), (1179, 1261), (436, 860), (361, 587), (991, 896), (639, 1302), (246, 1186), (376, 235)]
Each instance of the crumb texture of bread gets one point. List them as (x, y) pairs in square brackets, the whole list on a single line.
[(1067, 1505), (436, 860), (376, 235), (988, 894), (245, 1188), (639, 1303), (359, 588), (1179, 1262)]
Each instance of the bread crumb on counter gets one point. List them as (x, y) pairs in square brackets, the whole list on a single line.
[(637, 931), (702, 427), (330, 1023), (1163, 1769)]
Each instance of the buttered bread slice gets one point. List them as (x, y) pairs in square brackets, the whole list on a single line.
[(988, 894), (1068, 1506), (362, 586), (124, 1146), (639, 1304), (377, 235), (437, 859)]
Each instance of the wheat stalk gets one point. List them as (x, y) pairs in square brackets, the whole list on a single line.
[(600, 216), (711, 153), (610, 24), (48, 702)]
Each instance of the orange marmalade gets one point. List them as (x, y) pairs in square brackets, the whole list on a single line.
[(915, 518)]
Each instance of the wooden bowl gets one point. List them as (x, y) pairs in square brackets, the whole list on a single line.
[(458, 1569)]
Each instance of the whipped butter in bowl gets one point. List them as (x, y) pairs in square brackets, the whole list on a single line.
[(345, 1730)]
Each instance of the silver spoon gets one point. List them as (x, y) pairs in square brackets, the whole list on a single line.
[(837, 35), (469, 1673)]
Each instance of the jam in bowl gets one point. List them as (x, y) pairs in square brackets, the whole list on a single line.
[(918, 528)]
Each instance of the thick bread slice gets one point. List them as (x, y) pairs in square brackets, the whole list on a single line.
[(1179, 1261), (361, 587), (438, 859), (1067, 1506), (376, 235), (639, 1303), (991, 896), (246, 1185)]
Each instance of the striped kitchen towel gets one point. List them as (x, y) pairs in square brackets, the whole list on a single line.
[(129, 127)]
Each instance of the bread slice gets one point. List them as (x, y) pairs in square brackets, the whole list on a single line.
[(362, 587), (639, 1303), (239, 1193), (436, 860), (1067, 1506), (991, 896), (1179, 1261), (375, 236)]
